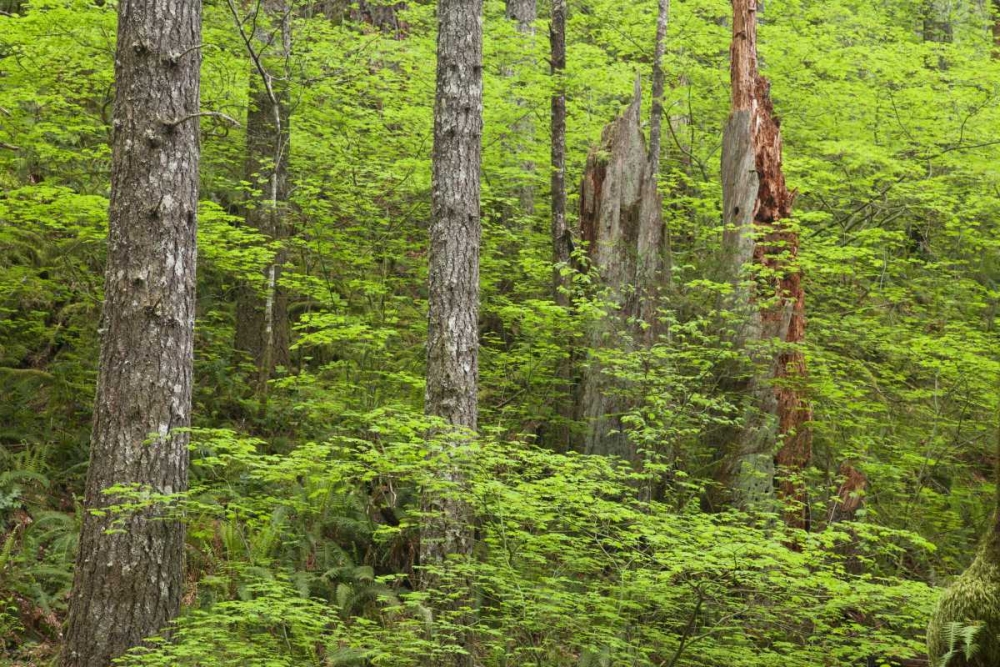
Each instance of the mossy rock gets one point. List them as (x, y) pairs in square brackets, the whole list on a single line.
[(974, 599)]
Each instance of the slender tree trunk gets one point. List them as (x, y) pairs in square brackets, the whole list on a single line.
[(524, 13), (562, 241), (652, 251), (995, 25), (756, 203), (262, 324), (453, 278), (562, 244), (659, 84), (127, 584)]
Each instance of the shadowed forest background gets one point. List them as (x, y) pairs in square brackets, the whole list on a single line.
[(627, 494)]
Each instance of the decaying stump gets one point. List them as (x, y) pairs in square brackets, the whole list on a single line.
[(622, 226), (770, 308)]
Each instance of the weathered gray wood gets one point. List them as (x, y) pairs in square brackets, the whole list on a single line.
[(127, 584), (621, 223)]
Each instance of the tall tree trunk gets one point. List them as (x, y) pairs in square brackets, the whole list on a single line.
[(562, 245), (524, 13), (659, 83), (995, 25), (651, 247), (453, 277), (756, 203), (562, 240), (262, 325), (621, 222), (127, 584)]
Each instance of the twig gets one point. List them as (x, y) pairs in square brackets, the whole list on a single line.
[(174, 57), (210, 114), (692, 619)]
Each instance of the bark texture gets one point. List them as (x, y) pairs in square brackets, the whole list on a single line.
[(756, 202), (453, 279), (524, 12), (562, 244), (262, 324), (127, 584), (621, 223)]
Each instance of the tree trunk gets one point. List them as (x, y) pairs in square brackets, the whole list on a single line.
[(262, 325), (128, 584), (382, 16), (524, 13), (659, 83), (652, 248), (849, 500), (937, 25), (995, 25), (621, 223), (755, 204), (562, 245), (453, 277)]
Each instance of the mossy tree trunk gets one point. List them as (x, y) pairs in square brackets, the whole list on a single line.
[(973, 599)]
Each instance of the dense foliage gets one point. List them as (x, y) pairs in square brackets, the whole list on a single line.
[(304, 506)]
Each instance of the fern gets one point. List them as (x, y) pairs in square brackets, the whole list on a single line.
[(961, 639)]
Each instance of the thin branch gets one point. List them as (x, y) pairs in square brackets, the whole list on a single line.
[(174, 57), (254, 56), (210, 114), (692, 620), (689, 154)]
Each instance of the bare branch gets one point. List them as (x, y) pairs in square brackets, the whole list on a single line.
[(210, 114)]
